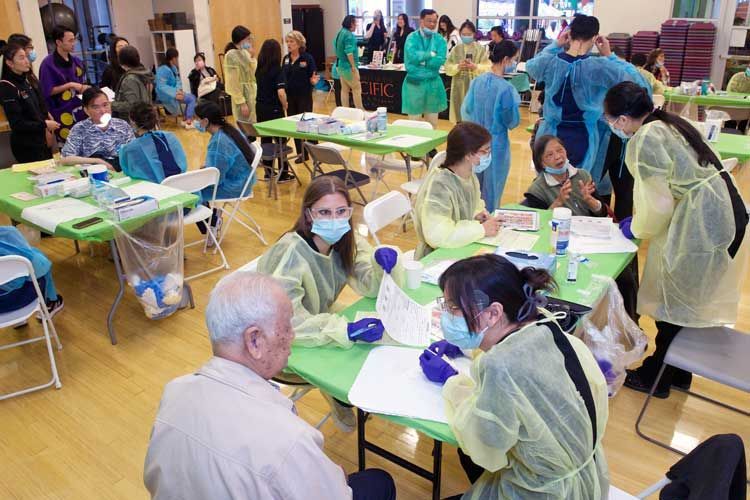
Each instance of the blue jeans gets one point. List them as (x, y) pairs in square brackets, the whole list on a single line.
[(189, 101)]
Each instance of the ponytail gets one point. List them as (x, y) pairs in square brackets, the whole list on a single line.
[(501, 50), (210, 111), (706, 155)]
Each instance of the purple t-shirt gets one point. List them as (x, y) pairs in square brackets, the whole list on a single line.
[(66, 107)]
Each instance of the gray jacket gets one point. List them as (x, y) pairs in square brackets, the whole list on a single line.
[(135, 86)]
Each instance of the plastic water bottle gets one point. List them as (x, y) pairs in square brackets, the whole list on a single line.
[(382, 119), (561, 219), (98, 191)]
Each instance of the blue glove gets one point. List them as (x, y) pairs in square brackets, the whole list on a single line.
[(625, 228), (387, 258), (444, 347), (366, 330), (435, 368)]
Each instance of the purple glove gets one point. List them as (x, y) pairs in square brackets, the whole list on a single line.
[(387, 258), (625, 228), (365, 330), (435, 368), (444, 347)]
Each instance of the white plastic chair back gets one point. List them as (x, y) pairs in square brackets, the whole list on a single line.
[(729, 164), (352, 114), (389, 208), (521, 67), (195, 180), (413, 123), (13, 267), (251, 266), (658, 100), (438, 160)]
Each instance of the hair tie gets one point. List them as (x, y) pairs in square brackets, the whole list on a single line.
[(534, 300)]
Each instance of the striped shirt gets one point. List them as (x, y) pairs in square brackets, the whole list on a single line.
[(89, 141)]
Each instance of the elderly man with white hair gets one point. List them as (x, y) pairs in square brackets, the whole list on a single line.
[(226, 432)]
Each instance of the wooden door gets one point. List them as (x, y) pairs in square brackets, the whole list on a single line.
[(261, 17), (10, 19)]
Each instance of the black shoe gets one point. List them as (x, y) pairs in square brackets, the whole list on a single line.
[(300, 160), (634, 381), (53, 307), (286, 177), (682, 380)]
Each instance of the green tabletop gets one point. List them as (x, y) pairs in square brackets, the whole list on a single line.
[(282, 127), (15, 182), (334, 370), (731, 99)]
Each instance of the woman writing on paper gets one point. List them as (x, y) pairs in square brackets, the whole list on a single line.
[(493, 103), (531, 417), (690, 210), (465, 62), (449, 210), (315, 260)]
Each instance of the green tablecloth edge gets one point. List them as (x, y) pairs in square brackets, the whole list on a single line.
[(733, 99)]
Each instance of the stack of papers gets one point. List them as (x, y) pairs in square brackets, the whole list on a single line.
[(403, 141), (431, 274), (511, 240), (49, 215), (25, 167), (592, 227)]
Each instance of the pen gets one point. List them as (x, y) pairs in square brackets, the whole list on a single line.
[(362, 330)]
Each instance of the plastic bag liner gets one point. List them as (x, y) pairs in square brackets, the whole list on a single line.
[(614, 338), (152, 259)]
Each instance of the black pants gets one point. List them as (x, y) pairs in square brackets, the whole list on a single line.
[(372, 484), (29, 148), (666, 333), (472, 470), (622, 181), (300, 104), (21, 297), (264, 113)]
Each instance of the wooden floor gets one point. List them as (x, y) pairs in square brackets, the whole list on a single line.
[(89, 439)]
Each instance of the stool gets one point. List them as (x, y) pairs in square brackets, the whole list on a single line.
[(717, 353)]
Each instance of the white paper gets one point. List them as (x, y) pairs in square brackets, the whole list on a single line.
[(431, 274), (436, 332), (403, 141), (404, 319), (521, 220), (617, 243), (156, 191), (511, 240), (308, 115), (593, 227), (24, 196), (49, 215), (391, 382), (109, 93), (738, 38)]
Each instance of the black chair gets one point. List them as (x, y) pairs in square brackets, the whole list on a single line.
[(273, 152)]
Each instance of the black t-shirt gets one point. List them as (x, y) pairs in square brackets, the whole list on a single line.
[(298, 74), (377, 40), (268, 85)]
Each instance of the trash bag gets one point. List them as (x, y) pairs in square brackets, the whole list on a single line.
[(614, 338), (152, 260)]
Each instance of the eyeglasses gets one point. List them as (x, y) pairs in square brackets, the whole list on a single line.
[(447, 305), (328, 214), (481, 301)]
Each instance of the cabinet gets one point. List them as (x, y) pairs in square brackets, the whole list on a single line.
[(308, 20), (184, 42)]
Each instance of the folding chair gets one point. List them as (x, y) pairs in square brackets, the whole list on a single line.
[(412, 187), (658, 101), (348, 114), (245, 194), (192, 182), (717, 353), (13, 267), (385, 210), (271, 152), (321, 154), (729, 163), (378, 165)]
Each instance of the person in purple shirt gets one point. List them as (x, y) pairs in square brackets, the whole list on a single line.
[(62, 77)]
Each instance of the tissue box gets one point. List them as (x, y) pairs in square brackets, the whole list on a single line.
[(133, 208), (522, 259), (46, 190), (309, 126), (330, 127)]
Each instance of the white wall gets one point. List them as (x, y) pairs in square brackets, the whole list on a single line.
[(631, 16), (458, 11), (130, 20), (32, 27), (202, 20)]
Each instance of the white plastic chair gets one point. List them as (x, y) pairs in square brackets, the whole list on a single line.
[(13, 267), (251, 266), (729, 164), (379, 165), (192, 182), (349, 114), (385, 210), (234, 203), (412, 187), (658, 101)]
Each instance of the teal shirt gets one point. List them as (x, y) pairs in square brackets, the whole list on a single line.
[(345, 44)]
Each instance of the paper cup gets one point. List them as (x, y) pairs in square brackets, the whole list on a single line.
[(98, 172), (413, 270)]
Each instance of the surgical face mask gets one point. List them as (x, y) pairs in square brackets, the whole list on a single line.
[(484, 163), (558, 171), (427, 32), (245, 46), (511, 68), (619, 132), (747, 70), (104, 120), (32, 56), (198, 124), (467, 39), (456, 331), (331, 230), (658, 64)]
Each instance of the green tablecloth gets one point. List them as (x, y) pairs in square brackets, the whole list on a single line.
[(14, 182), (288, 128), (334, 370), (732, 99)]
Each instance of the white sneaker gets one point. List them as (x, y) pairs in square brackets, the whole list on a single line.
[(342, 416)]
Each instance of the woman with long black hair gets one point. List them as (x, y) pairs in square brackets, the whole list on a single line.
[(400, 32), (114, 71), (690, 210)]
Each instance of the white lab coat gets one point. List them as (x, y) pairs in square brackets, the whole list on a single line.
[(226, 433)]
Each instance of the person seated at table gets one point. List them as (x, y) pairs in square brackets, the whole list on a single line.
[(135, 86), (639, 61), (655, 64), (97, 139), (19, 292), (226, 431), (465, 62), (493, 103), (315, 260), (530, 419), (169, 89), (560, 184), (155, 154), (449, 210)]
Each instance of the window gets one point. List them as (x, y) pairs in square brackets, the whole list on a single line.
[(698, 9), (497, 12), (364, 10)]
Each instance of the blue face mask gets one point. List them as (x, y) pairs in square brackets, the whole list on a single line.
[(619, 132), (427, 32), (32, 56), (467, 39), (747, 72), (484, 162), (245, 46), (331, 230), (511, 68), (456, 331), (557, 171)]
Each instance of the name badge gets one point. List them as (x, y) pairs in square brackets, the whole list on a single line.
[(303, 64)]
